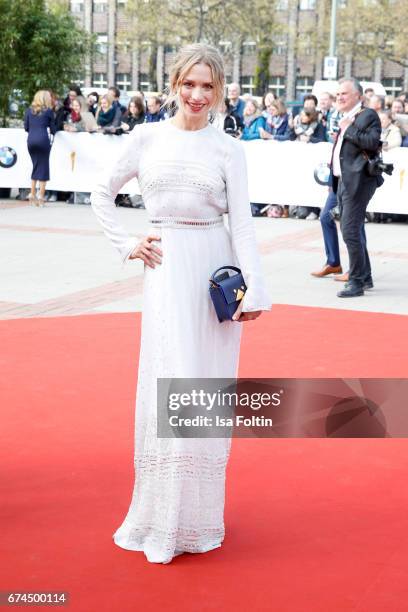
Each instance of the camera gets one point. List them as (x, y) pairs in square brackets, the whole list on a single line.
[(376, 166), (387, 168)]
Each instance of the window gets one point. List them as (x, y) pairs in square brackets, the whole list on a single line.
[(307, 5), (100, 6), (249, 47), (123, 46), (124, 82), (304, 85), (170, 48), (144, 82), (80, 80), (225, 46), (76, 6), (247, 85), (277, 86), (392, 86), (102, 43), (365, 38), (99, 79), (279, 47), (306, 46)]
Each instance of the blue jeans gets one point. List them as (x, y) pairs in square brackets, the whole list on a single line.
[(329, 228)]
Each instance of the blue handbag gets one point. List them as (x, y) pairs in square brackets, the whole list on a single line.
[(226, 291)]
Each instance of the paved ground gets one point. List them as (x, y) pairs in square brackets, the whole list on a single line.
[(56, 261)]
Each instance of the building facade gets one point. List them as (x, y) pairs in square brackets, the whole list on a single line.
[(294, 65)]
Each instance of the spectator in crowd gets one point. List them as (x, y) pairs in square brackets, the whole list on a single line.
[(388, 100), (266, 100), (38, 122), (80, 118), (390, 134), (228, 121), (310, 102), (404, 99), (397, 115), (276, 121), (60, 112), (376, 103), (140, 94), (333, 128), (397, 107), (154, 111), (115, 93), (236, 102), (134, 115), (93, 100), (107, 117), (307, 127), (73, 92), (368, 93), (325, 110), (253, 120)]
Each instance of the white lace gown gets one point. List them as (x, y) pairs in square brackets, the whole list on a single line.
[(185, 177)]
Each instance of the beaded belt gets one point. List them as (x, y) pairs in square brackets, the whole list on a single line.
[(184, 222)]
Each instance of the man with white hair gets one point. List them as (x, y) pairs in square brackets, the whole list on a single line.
[(358, 140), (237, 104)]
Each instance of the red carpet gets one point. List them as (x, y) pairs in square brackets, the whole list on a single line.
[(312, 525)]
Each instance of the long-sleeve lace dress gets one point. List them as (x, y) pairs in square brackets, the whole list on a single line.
[(188, 180)]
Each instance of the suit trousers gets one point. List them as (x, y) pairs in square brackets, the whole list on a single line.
[(329, 229), (352, 218)]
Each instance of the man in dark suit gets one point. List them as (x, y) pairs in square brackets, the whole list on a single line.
[(359, 138)]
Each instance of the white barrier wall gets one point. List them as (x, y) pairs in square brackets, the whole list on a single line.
[(279, 172)]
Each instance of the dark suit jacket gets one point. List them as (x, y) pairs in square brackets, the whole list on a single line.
[(364, 135)]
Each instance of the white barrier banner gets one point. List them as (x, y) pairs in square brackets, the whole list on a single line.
[(279, 172)]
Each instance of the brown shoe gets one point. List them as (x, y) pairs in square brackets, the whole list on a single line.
[(342, 278), (327, 270)]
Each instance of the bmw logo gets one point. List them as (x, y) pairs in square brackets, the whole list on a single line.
[(8, 157), (322, 174)]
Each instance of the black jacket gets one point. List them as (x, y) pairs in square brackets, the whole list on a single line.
[(362, 137)]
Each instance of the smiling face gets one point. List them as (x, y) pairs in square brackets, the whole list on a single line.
[(153, 106), (271, 108), (196, 93), (76, 107), (104, 104), (233, 92), (347, 97), (249, 108), (397, 106), (325, 102)]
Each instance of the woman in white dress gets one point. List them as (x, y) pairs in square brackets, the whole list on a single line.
[(190, 174)]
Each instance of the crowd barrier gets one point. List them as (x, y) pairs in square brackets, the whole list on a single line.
[(278, 172)]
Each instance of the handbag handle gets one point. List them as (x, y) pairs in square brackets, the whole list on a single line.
[(224, 268)]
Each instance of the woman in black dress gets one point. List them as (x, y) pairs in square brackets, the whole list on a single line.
[(39, 123)]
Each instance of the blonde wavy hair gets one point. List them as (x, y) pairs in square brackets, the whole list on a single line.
[(186, 58), (107, 97), (41, 101)]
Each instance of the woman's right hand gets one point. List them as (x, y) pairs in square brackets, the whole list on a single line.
[(148, 252)]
